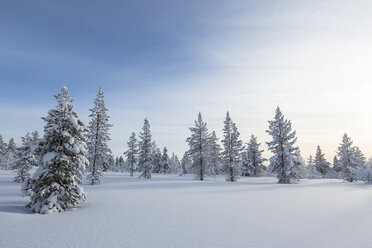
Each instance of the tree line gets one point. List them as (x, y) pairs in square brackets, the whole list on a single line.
[(69, 149)]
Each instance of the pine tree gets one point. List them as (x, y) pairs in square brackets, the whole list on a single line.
[(286, 161), (132, 154), (54, 187), (145, 151), (165, 162), (215, 155), (199, 152), (157, 158), (351, 159), (26, 159), (321, 163), (2, 151), (253, 164), (231, 155), (175, 165), (312, 172), (98, 135), (185, 163), (9, 159)]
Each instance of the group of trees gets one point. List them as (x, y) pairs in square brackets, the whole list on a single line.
[(68, 149)]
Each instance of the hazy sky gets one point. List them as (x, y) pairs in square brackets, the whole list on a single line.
[(167, 60)]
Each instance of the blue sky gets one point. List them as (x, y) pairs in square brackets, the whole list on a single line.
[(167, 60)]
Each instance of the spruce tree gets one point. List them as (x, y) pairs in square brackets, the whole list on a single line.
[(231, 155), (165, 162), (175, 165), (286, 162), (2, 151), (199, 149), (185, 163), (25, 159), (131, 154), (351, 159), (321, 163), (98, 135), (10, 155), (145, 158), (312, 171), (253, 164), (55, 187), (157, 158), (215, 155)]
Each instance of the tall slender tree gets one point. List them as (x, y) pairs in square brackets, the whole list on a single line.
[(185, 163), (157, 157), (10, 155), (145, 151), (286, 162), (25, 159), (165, 169), (231, 155), (97, 138), (253, 164), (215, 155), (132, 154), (2, 151), (55, 187), (199, 149)]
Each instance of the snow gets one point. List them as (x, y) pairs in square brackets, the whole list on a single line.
[(173, 211)]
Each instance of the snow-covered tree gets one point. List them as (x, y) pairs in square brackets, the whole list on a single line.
[(10, 155), (215, 155), (2, 151), (312, 171), (165, 169), (132, 154), (199, 149), (351, 159), (54, 187), (286, 161), (145, 151), (253, 163), (185, 163), (320, 162), (175, 165), (25, 159), (231, 154), (366, 172), (98, 135), (157, 161)]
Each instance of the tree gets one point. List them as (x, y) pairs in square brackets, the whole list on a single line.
[(215, 155), (175, 165), (231, 155), (145, 151), (351, 159), (286, 161), (97, 138), (26, 159), (199, 149), (10, 155), (165, 169), (321, 163), (157, 158), (2, 150), (132, 154), (55, 187), (312, 171), (185, 163), (253, 164)]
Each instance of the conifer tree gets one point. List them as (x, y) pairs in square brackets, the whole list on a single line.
[(25, 159), (55, 187), (10, 155), (286, 161), (2, 151), (199, 149), (158, 165), (175, 165), (132, 154), (351, 159), (253, 164), (165, 162), (231, 155), (215, 155), (312, 172), (145, 158), (320, 162), (98, 135), (185, 163)]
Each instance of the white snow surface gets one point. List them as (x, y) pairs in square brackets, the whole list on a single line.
[(177, 211)]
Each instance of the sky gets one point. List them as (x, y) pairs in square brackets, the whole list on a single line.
[(167, 60)]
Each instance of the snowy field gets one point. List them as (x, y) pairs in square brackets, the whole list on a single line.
[(173, 211)]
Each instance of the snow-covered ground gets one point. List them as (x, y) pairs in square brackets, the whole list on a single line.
[(174, 211)]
